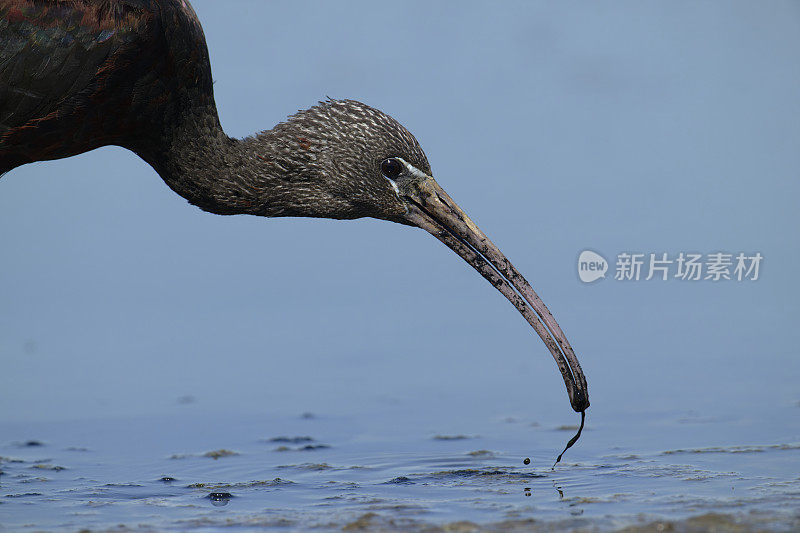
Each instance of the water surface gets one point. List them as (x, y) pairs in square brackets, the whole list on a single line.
[(394, 469)]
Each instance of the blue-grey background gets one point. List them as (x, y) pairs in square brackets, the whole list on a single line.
[(626, 126)]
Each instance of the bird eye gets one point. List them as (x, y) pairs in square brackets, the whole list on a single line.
[(391, 168)]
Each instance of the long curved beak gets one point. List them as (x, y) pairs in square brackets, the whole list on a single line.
[(432, 209)]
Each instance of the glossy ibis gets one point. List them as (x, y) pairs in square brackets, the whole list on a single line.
[(79, 74)]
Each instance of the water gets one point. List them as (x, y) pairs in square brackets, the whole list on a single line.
[(394, 468)]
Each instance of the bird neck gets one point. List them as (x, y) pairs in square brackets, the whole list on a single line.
[(269, 174), (201, 163)]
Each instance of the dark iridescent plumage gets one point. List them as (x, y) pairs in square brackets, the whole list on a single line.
[(79, 74)]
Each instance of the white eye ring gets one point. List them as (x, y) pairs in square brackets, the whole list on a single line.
[(394, 186), (414, 171)]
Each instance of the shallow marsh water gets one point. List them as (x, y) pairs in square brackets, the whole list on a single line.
[(392, 469)]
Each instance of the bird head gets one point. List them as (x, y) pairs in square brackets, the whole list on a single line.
[(344, 159), (334, 158)]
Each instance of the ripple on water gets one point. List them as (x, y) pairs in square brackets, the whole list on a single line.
[(422, 482), (734, 449)]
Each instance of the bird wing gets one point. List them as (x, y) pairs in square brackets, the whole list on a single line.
[(56, 59)]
